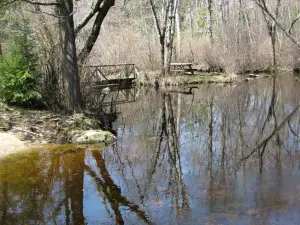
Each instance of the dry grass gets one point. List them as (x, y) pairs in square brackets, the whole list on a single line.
[(127, 45)]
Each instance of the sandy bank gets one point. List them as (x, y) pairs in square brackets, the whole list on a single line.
[(10, 144)]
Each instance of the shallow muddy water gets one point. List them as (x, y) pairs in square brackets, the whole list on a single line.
[(210, 154)]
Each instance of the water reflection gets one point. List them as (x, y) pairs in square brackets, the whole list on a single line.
[(221, 155), (102, 103), (51, 187)]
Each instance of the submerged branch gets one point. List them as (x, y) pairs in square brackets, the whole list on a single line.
[(292, 130), (260, 145)]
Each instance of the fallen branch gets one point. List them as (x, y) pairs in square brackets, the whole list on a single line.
[(26, 131)]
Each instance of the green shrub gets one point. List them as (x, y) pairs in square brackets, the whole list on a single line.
[(18, 78)]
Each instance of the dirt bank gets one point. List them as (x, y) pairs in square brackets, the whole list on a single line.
[(24, 128)]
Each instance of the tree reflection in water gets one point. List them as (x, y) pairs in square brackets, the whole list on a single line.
[(220, 155), (47, 187)]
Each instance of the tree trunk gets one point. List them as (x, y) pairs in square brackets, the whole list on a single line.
[(69, 61), (209, 20), (273, 43), (162, 54), (178, 32), (171, 32)]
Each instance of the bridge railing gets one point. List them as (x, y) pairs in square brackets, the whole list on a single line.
[(98, 73)]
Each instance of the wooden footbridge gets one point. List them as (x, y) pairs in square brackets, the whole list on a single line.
[(114, 75)]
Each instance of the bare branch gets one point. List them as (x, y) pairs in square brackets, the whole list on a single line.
[(277, 8), (88, 17), (156, 18), (42, 3), (102, 12), (259, 3), (263, 6), (293, 23), (50, 14)]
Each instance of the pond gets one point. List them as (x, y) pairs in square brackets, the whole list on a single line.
[(208, 154)]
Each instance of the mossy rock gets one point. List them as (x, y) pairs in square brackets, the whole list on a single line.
[(80, 122), (75, 124), (92, 137)]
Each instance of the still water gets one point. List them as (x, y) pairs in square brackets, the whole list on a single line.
[(210, 154)]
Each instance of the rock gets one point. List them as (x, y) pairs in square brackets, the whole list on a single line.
[(92, 137)]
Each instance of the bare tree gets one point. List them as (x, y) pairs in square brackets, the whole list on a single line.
[(165, 25)]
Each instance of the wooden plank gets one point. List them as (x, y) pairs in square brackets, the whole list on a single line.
[(136, 72), (101, 73), (131, 72), (120, 74), (181, 64), (190, 70), (177, 71), (112, 65), (185, 70), (115, 81), (118, 102)]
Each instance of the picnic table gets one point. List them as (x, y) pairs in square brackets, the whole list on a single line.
[(185, 68)]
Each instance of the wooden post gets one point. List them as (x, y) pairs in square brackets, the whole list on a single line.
[(136, 72), (1, 53)]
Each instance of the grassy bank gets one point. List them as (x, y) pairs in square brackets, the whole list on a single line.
[(155, 79)]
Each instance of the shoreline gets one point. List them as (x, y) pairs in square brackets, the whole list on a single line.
[(25, 129), (152, 79)]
